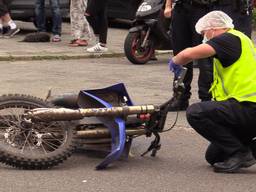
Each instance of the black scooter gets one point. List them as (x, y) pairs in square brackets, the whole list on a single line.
[(150, 31)]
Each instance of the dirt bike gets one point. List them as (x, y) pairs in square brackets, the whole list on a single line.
[(40, 134)]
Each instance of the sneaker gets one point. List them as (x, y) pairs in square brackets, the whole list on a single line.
[(98, 48), (6, 29), (11, 32), (56, 38)]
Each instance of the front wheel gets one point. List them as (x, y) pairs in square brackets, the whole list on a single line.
[(134, 51), (32, 145)]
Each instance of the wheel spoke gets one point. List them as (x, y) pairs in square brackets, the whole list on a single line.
[(31, 145), (53, 146), (26, 139)]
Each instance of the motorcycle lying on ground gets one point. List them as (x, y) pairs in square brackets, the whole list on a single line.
[(38, 134), (150, 32)]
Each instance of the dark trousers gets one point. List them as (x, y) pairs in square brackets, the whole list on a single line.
[(215, 154), (4, 7), (242, 21), (184, 18), (228, 125), (97, 10), (56, 16)]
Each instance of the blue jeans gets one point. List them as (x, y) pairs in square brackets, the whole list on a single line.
[(56, 16)]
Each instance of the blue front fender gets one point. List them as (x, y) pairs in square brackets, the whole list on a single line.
[(108, 97)]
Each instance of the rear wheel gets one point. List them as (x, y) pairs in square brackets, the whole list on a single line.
[(30, 145), (134, 51)]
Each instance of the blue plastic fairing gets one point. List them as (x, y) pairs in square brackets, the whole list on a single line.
[(115, 95)]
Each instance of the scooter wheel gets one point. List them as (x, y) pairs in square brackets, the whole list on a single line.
[(134, 52)]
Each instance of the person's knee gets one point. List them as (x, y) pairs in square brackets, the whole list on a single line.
[(55, 7), (39, 4), (193, 114)]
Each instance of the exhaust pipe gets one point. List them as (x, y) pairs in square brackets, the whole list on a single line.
[(105, 133), (65, 114)]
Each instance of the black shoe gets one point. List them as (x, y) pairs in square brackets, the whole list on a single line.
[(6, 29), (232, 164), (11, 32), (178, 105), (1, 32), (249, 161)]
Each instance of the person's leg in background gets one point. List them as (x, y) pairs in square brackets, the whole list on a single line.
[(80, 28), (93, 20), (182, 38), (56, 20), (6, 20), (85, 27), (2, 13), (237, 10), (91, 16), (205, 66), (40, 15), (205, 78), (103, 25), (96, 15), (1, 28), (184, 35)]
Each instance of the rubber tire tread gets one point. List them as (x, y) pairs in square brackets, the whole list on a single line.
[(128, 50), (51, 159)]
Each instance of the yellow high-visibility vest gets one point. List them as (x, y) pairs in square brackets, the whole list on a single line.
[(238, 80)]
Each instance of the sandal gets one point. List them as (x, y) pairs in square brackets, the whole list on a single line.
[(73, 43), (78, 42), (56, 38)]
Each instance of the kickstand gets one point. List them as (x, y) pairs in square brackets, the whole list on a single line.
[(154, 146)]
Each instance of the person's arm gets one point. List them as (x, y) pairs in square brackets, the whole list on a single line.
[(189, 54), (168, 8)]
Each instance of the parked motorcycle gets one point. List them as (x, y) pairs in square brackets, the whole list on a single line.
[(150, 32), (40, 134)]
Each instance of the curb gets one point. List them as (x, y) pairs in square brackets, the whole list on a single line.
[(65, 56), (62, 56)]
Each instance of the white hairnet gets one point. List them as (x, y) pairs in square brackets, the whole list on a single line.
[(214, 20)]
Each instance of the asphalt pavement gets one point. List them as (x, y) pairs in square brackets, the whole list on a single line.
[(179, 165)]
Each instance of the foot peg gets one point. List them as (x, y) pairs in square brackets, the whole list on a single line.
[(154, 146)]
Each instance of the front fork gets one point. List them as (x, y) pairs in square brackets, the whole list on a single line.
[(144, 42)]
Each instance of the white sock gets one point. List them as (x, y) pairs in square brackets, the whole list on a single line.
[(1, 26), (12, 24)]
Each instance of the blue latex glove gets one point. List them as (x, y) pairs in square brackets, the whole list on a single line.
[(176, 69)]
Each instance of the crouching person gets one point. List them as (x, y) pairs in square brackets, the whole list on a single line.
[(228, 121)]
